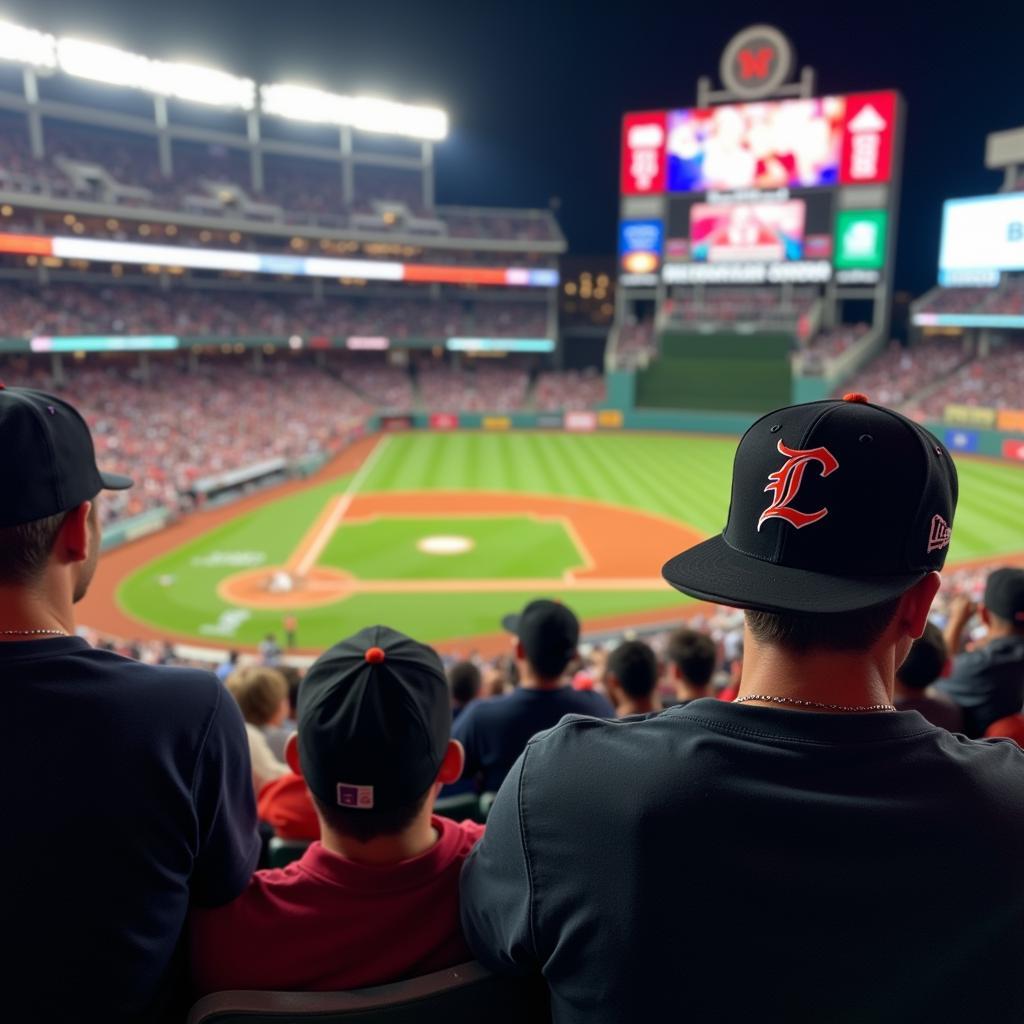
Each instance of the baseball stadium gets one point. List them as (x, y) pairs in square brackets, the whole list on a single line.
[(402, 458)]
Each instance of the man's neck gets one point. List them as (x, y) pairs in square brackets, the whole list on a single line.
[(686, 691), (417, 839), (852, 679), (638, 706), (33, 612)]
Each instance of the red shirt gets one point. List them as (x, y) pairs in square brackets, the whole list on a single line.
[(1011, 726), (325, 923), (285, 805)]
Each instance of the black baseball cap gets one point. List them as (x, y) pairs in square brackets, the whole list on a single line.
[(836, 505), (549, 633), (374, 718), (47, 459), (1004, 594)]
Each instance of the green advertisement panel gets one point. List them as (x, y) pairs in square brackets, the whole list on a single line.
[(860, 239)]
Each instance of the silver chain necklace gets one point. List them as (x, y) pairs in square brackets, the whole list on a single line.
[(813, 703), (32, 632)]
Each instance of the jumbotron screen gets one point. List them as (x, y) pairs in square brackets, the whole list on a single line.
[(781, 190)]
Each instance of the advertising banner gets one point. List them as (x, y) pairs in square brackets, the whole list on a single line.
[(868, 131), (1014, 449), (643, 153), (396, 423), (549, 419), (1010, 419), (496, 423), (981, 234), (961, 440), (860, 239), (609, 418), (640, 244), (772, 232), (970, 415), (581, 422), (444, 421)]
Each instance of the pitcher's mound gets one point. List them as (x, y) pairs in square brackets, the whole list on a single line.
[(261, 588)]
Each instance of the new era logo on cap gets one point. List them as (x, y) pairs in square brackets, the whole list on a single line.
[(940, 534), (360, 797)]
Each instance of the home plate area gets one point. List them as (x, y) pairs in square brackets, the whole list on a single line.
[(464, 542)]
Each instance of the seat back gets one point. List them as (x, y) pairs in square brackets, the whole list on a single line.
[(467, 994), (465, 805), (281, 852)]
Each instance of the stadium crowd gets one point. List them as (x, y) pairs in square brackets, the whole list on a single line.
[(122, 168), (69, 309), (440, 815)]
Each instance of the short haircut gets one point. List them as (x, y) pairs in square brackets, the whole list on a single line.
[(465, 680), (694, 654), (258, 690), (293, 677), (364, 825), (25, 549), (635, 668), (827, 631), (925, 661)]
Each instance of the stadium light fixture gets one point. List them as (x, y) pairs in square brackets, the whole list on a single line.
[(101, 63), (305, 103), (27, 46)]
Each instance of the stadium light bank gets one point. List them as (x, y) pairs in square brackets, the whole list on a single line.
[(195, 83)]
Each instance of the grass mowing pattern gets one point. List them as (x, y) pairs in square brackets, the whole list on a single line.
[(681, 477)]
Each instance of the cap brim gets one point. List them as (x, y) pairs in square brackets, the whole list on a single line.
[(510, 623), (713, 571), (116, 482)]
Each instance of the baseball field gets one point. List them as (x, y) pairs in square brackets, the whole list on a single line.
[(440, 534)]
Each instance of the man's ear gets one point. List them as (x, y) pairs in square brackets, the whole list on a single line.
[(517, 650), (916, 604), (985, 615), (452, 765), (73, 539), (291, 753)]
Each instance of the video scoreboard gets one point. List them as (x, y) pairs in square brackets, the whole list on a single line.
[(762, 192)]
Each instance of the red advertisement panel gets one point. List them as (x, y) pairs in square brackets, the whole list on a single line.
[(1014, 449), (643, 153), (868, 130), (444, 421)]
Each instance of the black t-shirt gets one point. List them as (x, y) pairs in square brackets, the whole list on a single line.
[(495, 731), (129, 793), (988, 683), (734, 863)]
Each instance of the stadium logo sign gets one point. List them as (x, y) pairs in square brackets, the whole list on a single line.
[(784, 485), (938, 536), (756, 61)]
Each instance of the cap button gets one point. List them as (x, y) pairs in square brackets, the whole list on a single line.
[(374, 655), (855, 396)]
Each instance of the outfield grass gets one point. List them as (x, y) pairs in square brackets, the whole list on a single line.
[(678, 476)]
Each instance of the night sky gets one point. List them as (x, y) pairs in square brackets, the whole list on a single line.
[(535, 91)]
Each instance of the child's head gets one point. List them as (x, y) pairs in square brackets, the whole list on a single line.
[(261, 693)]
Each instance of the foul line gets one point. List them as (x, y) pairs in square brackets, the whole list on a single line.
[(311, 547)]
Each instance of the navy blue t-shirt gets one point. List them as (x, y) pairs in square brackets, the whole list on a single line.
[(129, 794), (721, 862), (495, 731), (987, 683)]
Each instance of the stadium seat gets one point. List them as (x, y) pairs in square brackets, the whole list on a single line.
[(281, 852), (466, 994), (458, 808), (486, 799)]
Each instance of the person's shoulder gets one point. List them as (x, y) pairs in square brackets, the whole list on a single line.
[(469, 834), (998, 755), (591, 703)]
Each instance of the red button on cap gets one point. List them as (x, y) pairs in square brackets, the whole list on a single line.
[(374, 655), (855, 396)]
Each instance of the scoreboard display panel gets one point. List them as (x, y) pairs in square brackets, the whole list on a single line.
[(769, 191)]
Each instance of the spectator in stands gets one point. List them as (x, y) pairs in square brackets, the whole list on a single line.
[(631, 679), (923, 667), (988, 680), (494, 732), (227, 666), (277, 735), (270, 651), (130, 795), (465, 681), (376, 899), (690, 659), (262, 697), (810, 794)]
